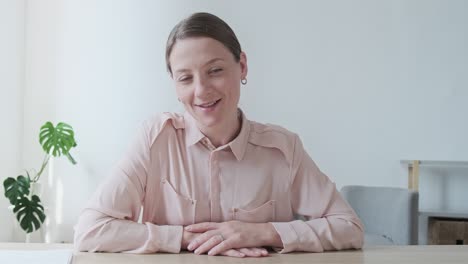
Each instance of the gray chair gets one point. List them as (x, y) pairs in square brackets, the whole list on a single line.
[(389, 215)]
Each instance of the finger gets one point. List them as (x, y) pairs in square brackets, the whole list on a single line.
[(264, 252), (208, 245), (260, 250), (251, 252), (220, 247), (233, 253), (201, 227), (201, 239)]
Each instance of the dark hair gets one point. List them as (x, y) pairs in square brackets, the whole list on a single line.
[(203, 25)]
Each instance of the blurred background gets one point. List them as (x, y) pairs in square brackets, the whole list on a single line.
[(364, 83)]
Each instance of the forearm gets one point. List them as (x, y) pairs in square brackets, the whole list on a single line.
[(321, 234), (98, 232), (331, 223)]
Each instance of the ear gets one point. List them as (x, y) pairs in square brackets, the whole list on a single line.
[(243, 64)]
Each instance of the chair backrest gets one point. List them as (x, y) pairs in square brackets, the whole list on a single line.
[(386, 211)]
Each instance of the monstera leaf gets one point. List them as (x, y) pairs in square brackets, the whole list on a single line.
[(57, 140), (30, 213), (16, 188)]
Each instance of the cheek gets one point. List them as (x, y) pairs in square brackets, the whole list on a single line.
[(234, 88), (183, 94)]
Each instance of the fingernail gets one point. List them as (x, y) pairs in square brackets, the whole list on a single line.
[(210, 253), (190, 247), (241, 255), (197, 251), (188, 228)]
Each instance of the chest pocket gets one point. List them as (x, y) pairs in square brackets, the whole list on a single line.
[(174, 208), (262, 214)]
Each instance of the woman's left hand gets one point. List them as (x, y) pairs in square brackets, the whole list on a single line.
[(219, 237)]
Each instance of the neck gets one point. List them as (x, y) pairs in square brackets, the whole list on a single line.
[(225, 132)]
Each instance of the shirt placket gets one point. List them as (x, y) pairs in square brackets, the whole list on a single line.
[(213, 165), (215, 187)]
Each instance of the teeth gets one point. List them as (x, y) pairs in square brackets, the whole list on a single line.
[(210, 104)]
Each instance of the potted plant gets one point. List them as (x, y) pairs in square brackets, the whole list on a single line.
[(27, 206)]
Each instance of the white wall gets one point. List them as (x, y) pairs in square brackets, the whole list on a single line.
[(11, 91), (365, 83), (43, 43)]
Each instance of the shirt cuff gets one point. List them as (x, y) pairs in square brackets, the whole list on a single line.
[(165, 238), (288, 236)]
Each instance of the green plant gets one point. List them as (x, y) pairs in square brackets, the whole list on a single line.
[(55, 141)]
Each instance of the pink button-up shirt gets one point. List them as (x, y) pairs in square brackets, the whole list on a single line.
[(176, 177)]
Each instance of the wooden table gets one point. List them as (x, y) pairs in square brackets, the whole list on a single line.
[(381, 254)]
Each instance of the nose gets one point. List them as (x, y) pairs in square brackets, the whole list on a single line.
[(202, 87)]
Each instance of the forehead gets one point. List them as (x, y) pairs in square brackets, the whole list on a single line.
[(196, 51)]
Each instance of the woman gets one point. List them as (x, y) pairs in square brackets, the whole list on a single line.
[(210, 180)]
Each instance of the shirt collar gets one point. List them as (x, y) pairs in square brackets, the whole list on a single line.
[(238, 145), (192, 134)]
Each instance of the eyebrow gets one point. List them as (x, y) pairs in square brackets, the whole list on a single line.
[(208, 62)]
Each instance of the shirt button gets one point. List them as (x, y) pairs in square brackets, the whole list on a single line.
[(234, 210)]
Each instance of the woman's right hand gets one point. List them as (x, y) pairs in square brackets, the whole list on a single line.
[(187, 237)]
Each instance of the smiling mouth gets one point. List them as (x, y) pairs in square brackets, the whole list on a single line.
[(210, 104)]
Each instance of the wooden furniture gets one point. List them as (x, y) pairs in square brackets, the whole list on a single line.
[(425, 216), (414, 165), (380, 254), (448, 231)]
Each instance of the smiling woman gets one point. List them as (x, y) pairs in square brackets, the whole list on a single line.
[(210, 180), (207, 79)]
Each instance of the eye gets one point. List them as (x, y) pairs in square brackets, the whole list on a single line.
[(215, 70), (184, 78)]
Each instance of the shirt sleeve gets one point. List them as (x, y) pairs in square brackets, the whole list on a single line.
[(109, 222), (331, 224)]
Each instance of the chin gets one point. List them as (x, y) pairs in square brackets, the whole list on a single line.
[(209, 122), (206, 121)]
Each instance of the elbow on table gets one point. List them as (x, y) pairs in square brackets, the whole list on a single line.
[(348, 233), (355, 236), (88, 236), (83, 241), (358, 242)]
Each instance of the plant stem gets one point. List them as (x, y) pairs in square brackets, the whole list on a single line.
[(44, 164)]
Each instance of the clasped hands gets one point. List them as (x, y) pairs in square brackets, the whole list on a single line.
[(233, 238)]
